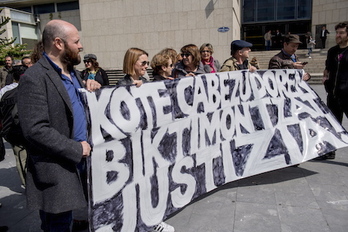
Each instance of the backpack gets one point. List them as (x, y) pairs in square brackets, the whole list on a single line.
[(11, 129)]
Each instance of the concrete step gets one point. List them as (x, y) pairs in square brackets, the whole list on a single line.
[(316, 63)]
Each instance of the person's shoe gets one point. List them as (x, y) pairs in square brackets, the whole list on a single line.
[(80, 225), (330, 155), (3, 228), (322, 157), (309, 57), (163, 227)]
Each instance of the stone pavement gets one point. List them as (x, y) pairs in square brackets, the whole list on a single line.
[(312, 197)]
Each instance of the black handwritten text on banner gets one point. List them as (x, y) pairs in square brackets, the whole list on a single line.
[(158, 147)]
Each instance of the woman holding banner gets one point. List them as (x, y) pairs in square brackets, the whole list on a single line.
[(162, 67), (191, 64), (135, 64)]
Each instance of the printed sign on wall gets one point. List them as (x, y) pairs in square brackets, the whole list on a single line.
[(158, 147)]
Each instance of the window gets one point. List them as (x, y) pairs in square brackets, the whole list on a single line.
[(15, 32), (249, 11), (285, 10), (26, 9), (304, 9), (64, 6), (43, 9), (265, 10), (276, 10)]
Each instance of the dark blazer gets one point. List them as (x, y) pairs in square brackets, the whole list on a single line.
[(325, 33), (46, 118)]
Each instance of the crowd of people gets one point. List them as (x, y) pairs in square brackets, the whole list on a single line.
[(43, 118)]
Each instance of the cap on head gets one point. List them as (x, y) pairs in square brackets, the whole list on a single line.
[(239, 44), (89, 56), (292, 39)]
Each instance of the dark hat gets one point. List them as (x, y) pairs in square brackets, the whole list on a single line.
[(89, 56), (240, 44), (292, 39)]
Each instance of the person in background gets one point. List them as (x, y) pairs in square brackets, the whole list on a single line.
[(207, 59), (54, 124), (6, 70), (37, 52), (93, 71), (323, 36), (191, 64), (310, 45), (11, 129), (278, 39), (335, 76), (135, 64), (171, 53), (268, 40), (239, 57), (286, 58), (26, 61), (162, 67)]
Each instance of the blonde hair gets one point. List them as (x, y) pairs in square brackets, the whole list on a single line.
[(171, 53), (158, 61), (130, 58), (207, 45)]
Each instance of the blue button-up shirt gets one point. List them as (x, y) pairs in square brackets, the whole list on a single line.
[(72, 85)]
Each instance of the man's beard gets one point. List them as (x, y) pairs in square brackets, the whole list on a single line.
[(69, 57)]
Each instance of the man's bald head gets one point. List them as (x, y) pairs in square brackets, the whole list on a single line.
[(54, 29)]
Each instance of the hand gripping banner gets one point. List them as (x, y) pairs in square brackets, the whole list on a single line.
[(158, 147)]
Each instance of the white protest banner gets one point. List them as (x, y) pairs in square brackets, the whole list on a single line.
[(158, 147)]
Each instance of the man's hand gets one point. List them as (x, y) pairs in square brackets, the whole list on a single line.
[(299, 65), (325, 76), (252, 68), (92, 85), (306, 77), (86, 148)]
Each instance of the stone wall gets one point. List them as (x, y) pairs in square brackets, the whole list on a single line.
[(329, 12), (110, 27)]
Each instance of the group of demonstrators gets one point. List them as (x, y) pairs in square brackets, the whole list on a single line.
[(54, 125), (194, 61)]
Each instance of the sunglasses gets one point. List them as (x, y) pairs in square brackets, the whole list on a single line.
[(186, 54), (86, 61), (145, 63), (203, 51)]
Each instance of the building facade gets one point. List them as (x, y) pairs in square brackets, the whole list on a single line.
[(109, 27)]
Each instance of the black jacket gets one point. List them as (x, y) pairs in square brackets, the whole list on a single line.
[(101, 76), (338, 70)]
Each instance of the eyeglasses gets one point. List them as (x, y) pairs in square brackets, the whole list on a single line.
[(203, 51), (186, 54), (171, 65), (145, 63)]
